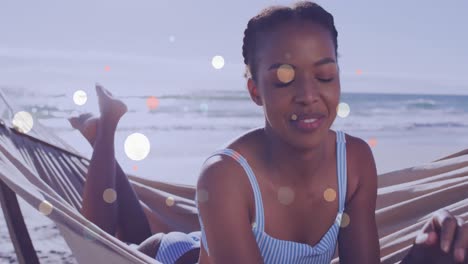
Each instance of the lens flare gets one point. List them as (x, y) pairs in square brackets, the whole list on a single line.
[(137, 146), (285, 195), (217, 62), (80, 97), (23, 122), (345, 220), (45, 207), (109, 195), (372, 142), (152, 102), (343, 110), (329, 195), (285, 73), (170, 201)]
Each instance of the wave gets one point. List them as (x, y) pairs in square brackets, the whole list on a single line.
[(439, 124), (421, 103)]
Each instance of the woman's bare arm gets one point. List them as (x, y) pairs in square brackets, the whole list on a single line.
[(358, 241), (223, 202)]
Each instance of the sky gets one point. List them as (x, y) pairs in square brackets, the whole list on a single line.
[(399, 46)]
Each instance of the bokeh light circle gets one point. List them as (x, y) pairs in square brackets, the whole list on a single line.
[(285, 195), (202, 195), (170, 201), (45, 207), (372, 142), (345, 220), (23, 121), (137, 146), (329, 195), (152, 102), (217, 62), (109, 195), (80, 97), (343, 110), (285, 73)]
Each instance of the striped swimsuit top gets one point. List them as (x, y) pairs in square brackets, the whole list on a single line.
[(282, 251)]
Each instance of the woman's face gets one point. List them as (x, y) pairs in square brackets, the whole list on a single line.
[(297, 82)]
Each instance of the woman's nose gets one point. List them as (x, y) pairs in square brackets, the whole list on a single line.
[(307, 91)]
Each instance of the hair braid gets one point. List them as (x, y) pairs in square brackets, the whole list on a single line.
[(273, 16)]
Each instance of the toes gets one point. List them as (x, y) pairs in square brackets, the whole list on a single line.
[(85, 116), (100, 90), (73, 121)]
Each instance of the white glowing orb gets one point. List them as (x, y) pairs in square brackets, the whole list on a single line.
[(23, 121), (217, 62), (343, 110), (137, 146), (170, 201), (45, 207), (80, 97), (171, 39)]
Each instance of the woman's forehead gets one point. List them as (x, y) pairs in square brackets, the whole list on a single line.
[(295, 40)]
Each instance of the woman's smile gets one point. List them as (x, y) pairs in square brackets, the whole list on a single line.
[(307, 123)]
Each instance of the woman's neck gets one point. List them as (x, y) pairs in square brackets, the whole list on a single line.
[(293, 165)]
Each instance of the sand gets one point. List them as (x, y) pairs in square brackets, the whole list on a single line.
[(49, 244)]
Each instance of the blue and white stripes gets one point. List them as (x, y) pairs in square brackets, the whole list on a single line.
[(281, 251), (175, 244)]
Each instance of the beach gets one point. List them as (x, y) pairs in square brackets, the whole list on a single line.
[(402, 130)]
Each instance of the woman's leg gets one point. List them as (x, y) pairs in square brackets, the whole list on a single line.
[(123, 217)]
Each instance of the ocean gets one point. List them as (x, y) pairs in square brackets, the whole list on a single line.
[(186, 127)]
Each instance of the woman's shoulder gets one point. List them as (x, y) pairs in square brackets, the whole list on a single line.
[(360, 161), (222, 171), (358, 151)]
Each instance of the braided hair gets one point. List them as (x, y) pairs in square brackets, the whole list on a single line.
[(273, 16)]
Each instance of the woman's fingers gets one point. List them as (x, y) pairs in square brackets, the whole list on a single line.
[(460, 244), (446, 226)]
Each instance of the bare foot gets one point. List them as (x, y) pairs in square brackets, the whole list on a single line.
[(111, 109), (87, 124)]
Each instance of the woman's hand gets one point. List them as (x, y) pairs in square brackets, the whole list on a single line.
[(444, 239)]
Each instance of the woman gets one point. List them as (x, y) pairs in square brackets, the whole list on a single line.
[(276, 194)]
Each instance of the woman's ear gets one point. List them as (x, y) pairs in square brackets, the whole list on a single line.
[(253, 91)]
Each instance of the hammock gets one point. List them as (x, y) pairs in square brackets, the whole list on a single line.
[(49, 174)]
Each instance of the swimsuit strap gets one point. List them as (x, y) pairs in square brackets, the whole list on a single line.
[(259, 218), (341, 168)]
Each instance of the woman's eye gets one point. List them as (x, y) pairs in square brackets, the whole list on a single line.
[(324, 80), (283, 84)]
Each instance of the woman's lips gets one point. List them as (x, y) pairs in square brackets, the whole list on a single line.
[(307, 124)]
